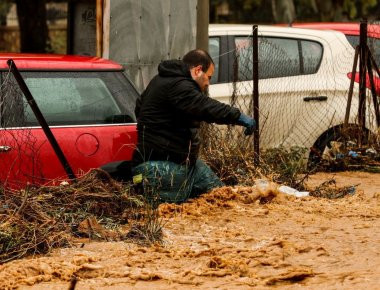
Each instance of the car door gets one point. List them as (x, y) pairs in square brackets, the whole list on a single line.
[(89, 113)]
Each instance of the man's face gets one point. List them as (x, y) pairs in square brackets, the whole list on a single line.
[(202, 78)]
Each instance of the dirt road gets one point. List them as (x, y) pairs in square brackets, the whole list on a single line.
[(229, 240)]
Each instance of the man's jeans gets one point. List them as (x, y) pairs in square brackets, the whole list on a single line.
[(166, 181)]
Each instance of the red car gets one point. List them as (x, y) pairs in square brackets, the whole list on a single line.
[(349, 29), (352, 33), (88, 104)]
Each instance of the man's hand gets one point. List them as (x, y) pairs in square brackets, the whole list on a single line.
[(248, 123)]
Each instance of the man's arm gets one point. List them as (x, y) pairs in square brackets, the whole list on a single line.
[(186, 98)]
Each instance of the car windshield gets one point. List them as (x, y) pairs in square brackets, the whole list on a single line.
[(373, 43), (76, 98)]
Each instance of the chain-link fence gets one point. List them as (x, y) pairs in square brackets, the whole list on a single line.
[(19, 151), (304, 83)]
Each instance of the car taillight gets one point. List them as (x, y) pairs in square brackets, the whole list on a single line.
[(368, 84)]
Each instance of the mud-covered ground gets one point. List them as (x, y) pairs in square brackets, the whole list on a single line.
[(229, 240)]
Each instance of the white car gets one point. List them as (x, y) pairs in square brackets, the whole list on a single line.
[(303, 81)]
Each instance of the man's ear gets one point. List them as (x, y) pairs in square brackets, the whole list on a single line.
[(198, 70)]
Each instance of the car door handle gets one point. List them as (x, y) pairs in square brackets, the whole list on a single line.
[(318, 99), (4, 148)]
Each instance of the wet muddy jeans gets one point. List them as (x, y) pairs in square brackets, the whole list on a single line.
[(165, 181)]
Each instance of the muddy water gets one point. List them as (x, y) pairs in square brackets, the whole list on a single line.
[(232, 238)]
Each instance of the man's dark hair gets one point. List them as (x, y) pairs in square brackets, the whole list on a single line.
[(198, 57)]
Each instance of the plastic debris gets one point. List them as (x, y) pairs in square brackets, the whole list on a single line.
[(291, 191), (353, 154), (283, 189), (372, 152), (262, 183)]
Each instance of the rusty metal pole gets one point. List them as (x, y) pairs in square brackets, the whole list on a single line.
[(106, 28), (203, 18), (255, 93), (373, 89), (351, 90), (362, 75), (99, 28)]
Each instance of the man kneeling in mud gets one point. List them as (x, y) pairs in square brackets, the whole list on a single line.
[(168, 115)]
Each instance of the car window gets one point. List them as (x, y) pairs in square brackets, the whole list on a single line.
[(74, 98), (214, 51), (278, 57), (63, 100), (243, 59), (373, 44), (311, 56)]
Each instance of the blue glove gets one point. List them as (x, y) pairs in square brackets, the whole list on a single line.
[(248, 123)]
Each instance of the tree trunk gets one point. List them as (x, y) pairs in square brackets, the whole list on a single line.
[(34, 35)]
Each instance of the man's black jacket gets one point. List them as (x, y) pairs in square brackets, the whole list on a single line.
[(169, 113)]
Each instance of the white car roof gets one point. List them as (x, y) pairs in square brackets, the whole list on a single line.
[(220, 29), (334, 38)]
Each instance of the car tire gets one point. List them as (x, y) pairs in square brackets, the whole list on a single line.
[(337, 133)]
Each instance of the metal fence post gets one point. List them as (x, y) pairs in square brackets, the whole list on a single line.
[(41, 119), (351, 90), (255, 72), (362, 75)]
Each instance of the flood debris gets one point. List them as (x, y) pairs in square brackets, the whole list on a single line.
[(35, 220), (263, 184), (343, 156), (329, 189)]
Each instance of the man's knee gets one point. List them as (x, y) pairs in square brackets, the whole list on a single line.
[(163, 180), (204, 179)]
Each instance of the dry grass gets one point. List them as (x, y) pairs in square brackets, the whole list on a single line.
[(35, 220), (232, 159)]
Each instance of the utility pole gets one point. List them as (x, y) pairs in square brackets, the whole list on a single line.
[(203, 18)]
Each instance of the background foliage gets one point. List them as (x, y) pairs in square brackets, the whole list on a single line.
[(286, 11)]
